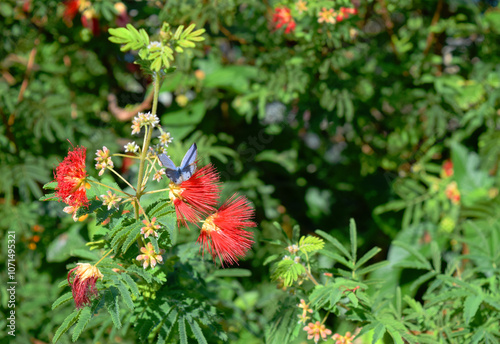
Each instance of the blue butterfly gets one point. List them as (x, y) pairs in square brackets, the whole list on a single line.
[(185, 170)]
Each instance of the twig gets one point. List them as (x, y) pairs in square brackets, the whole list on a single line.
[(124, 114), (388, 25), (231, 36), (435, 19)]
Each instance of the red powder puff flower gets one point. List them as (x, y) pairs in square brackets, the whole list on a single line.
[(223, 233), (447, 168), (283, 18), (82, 283), (70, 176), (346, 12), (196, 196)]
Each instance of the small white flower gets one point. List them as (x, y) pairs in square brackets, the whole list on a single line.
[(159, 175), (154, 44), (131, 147), (165, 138)]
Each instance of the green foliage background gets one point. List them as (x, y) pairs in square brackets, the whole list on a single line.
[(330, 122)]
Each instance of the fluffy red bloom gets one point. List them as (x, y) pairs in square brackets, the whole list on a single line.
[(71, 9), (223, 233), (196, 196), (70, 176), (82, 283), (448, 168), (283, 18), (346, 12)]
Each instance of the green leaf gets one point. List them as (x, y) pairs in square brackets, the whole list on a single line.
[(414, 252), (182, 330), (471, 305), (368, 255), (334, 242), (112, 305), (310, 244), (436, 256), (83, 320), (197, 331), (67, 323), (378, 332), (62, 300)]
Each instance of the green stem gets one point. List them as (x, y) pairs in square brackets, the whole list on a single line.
[(103, 257), (155, 191), (147, 139), (126, 156), (126, 182), (110, 187)]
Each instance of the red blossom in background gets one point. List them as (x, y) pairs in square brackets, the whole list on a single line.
[(70, 176), (346, 12), (448, 168), (82, 280), (453, 193), (196, 196), (283, 18), (223, 233)]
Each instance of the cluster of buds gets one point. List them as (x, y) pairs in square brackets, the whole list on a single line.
[(103, 160), (144, 119), (305, 309), (318, 330)]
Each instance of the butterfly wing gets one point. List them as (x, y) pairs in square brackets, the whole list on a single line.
[(188, 164), (172, 172)]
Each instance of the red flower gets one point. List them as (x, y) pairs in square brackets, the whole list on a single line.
[(453, 193), (83, 283), (223, 233), (72, 8), (346, 12), (448, 168), (70, 176), (283, 18), (196, 196)]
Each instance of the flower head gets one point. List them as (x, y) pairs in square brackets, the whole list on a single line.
[(223, 233), (453, 193), (103, 160), (316, 330), (293, 249), (196, 196), (110, 200), (283, 18), (165, 138), (82, 280), (136, 126), (305, 307), (149, 256), (70, 176), (155, 45), (346, 12), (150, 228), (327, 16), (447, 170), (301, 6), (303, 318), (159, 175), (73, 212), (347, 339), (131, 147)]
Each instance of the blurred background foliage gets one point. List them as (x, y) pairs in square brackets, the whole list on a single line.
[(316, 126)]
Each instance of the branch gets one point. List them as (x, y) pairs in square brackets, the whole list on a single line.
[(435, 19), (124, 114)]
